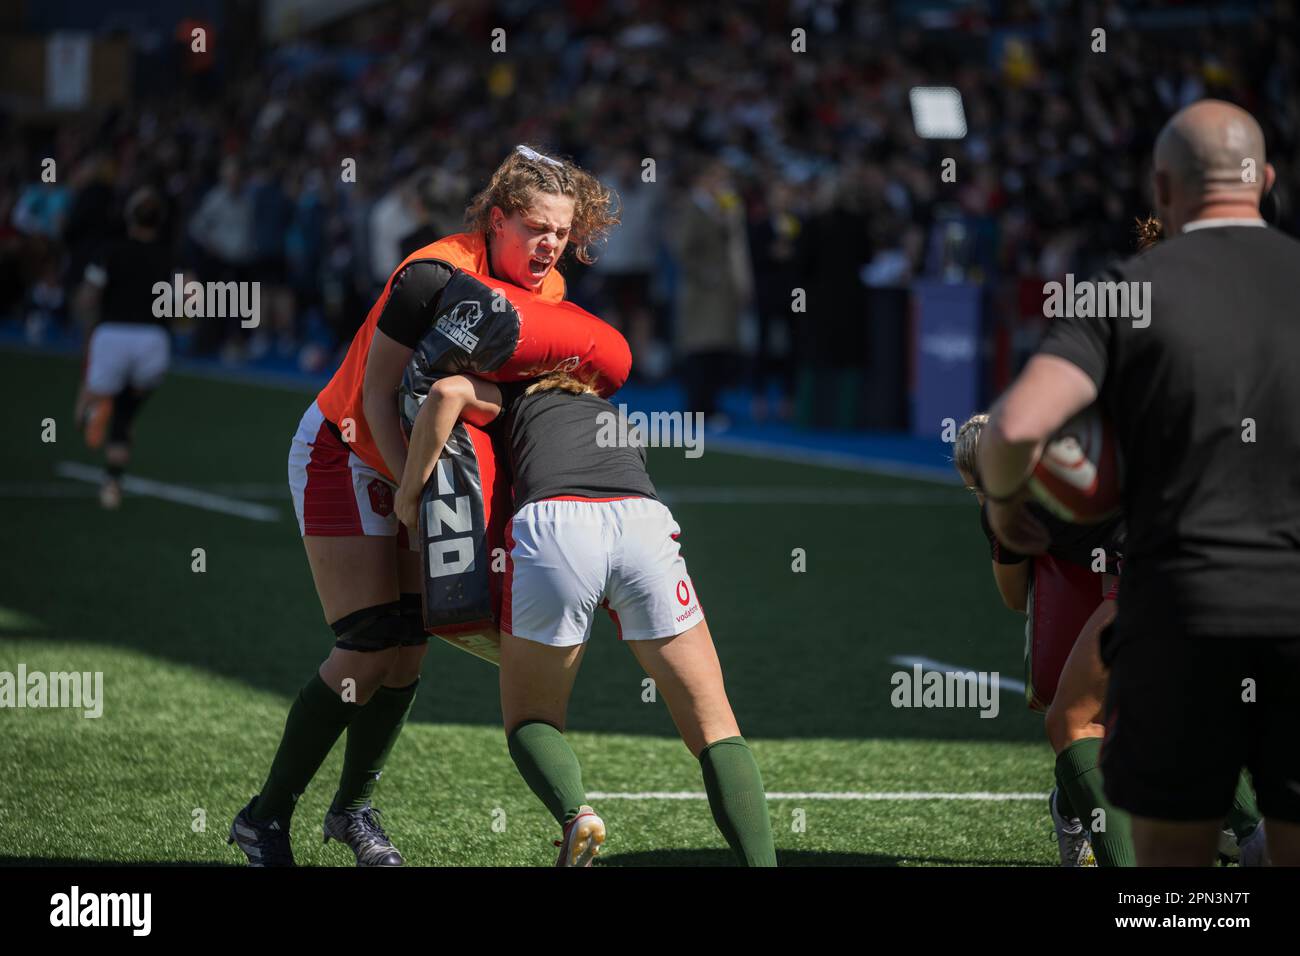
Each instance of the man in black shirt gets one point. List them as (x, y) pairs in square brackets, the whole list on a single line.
[(1199, 380), (129, 350)]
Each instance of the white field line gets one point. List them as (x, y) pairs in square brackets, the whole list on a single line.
[(178, 494), (930, 664), (899, 796)]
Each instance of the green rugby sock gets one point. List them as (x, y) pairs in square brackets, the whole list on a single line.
[(738, 801), (1080, 776), (1244, 815), (1063, 805), (316, 720), (371, 736), (549, 767)]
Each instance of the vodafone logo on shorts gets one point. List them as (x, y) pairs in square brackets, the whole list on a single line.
[(684, 599), (381, 497)]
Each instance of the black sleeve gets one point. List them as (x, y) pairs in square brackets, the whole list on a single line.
[(1084, 342), (1000, 553), (413, 301), (511, 393)]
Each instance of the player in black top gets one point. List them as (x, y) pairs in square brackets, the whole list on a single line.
[(129, 350), (588, 531), (1205, 660)]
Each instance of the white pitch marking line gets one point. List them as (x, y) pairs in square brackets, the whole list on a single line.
[(930, 664), (175, 493), (902, 795)]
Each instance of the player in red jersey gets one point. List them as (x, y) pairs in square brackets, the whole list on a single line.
[(342, 466)]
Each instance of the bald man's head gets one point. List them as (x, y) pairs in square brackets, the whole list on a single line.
[(1210, 154)]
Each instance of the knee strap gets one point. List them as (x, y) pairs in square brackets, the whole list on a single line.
[(413, 634), (375, 628)]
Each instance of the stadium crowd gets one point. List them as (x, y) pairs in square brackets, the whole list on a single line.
[(772, 169)]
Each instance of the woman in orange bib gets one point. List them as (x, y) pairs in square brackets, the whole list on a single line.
[(342, 462)]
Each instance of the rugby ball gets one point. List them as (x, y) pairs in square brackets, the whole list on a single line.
[(1078, 476)]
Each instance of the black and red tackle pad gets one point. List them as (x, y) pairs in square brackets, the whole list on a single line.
[(502, 333)]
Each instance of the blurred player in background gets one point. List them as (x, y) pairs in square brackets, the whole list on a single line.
[(1072, 718), (1204, 659), (129, 350), (1074, 714), (343, 464), (589, 532)]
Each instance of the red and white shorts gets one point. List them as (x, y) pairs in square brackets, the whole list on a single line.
[(568, 556), (335, 493)]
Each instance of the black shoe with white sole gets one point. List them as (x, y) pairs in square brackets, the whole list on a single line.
[(264, 842), (361, 831)]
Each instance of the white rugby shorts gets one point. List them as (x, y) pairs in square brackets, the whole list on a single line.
[(124, 353), (335, 493), (568, 556)]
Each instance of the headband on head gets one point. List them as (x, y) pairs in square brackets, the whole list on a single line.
[(528, 152)]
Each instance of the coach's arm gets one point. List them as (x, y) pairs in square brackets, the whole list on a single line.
[(1047, 393)]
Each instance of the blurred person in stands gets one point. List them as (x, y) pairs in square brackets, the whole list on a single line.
[(714, 286), (628, 262), (271, 214), (774, 245), (222, 228), (831, 332)]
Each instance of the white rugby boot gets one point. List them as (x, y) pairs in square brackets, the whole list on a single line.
[(583, 836)]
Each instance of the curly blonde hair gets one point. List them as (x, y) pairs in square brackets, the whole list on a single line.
[(1149, 231), (571, 382), (527, 171), (965, 450)]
